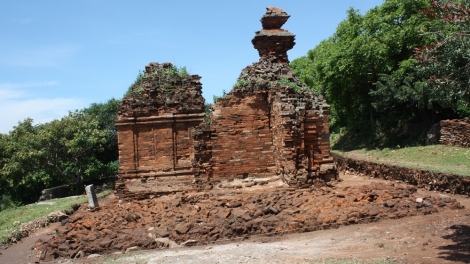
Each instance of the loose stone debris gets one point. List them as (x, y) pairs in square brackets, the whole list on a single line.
[(186, 219)]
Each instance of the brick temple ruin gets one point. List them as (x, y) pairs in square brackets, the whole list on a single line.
[(259, 161), (269, 124)]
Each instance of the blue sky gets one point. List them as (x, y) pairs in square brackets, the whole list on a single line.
[(58, 56)]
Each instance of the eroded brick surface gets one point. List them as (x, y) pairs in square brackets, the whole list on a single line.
[(272, 40), (154, 131), (269, 124)]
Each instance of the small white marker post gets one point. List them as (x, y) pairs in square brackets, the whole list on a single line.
[(92, 199)]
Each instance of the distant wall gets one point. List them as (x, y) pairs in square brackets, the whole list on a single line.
[(455, 132), (427, 179), (55, 192)]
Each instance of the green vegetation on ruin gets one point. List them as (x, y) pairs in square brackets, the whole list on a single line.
[(159, 74), (284, 81), (259, 83)]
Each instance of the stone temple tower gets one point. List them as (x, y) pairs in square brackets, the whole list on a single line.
[(268, 126), (269, 123)]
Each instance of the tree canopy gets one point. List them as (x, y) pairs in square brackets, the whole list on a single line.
[(80, 146), (371, 75), (446, 61)]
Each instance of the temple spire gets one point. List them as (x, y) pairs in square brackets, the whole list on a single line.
[(272, 40)]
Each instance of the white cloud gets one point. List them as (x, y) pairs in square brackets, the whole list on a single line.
[(40, 110), (17, 105), (11, 86), (7, 94), (10, 91), (52, 56)]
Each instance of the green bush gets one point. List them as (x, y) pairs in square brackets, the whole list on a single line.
[(6, 202)]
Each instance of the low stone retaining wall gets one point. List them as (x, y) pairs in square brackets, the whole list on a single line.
[(55, 192), (421, 178), (455, 132)]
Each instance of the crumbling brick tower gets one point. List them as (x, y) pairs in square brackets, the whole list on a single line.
[(154, 126), (269, 123)]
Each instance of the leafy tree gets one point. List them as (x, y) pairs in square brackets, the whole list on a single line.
[(367, 70), (21, 173), (446, 61), (67, 147), (80, 146), (106, 113), (304, 70)]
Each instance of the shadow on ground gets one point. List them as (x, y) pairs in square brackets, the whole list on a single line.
[(460, 249)]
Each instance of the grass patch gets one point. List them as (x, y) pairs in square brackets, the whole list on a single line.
[(437, 158), (140, 257), (12, 218), (350, 261), (137, 257)]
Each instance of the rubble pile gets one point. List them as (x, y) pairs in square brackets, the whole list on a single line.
[(200, 218)]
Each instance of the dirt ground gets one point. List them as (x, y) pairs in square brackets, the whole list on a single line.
[(426, 237)]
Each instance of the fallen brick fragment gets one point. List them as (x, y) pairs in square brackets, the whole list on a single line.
[(272, 211)]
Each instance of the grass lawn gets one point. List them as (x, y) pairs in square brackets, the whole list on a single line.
[(12, 218), (350, 261), (438, 158), (139, 257)]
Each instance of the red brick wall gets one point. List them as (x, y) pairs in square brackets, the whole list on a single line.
[(154, 124), (301, 137), (156, 147), (261, 133), (243, 144), (126, 148)]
